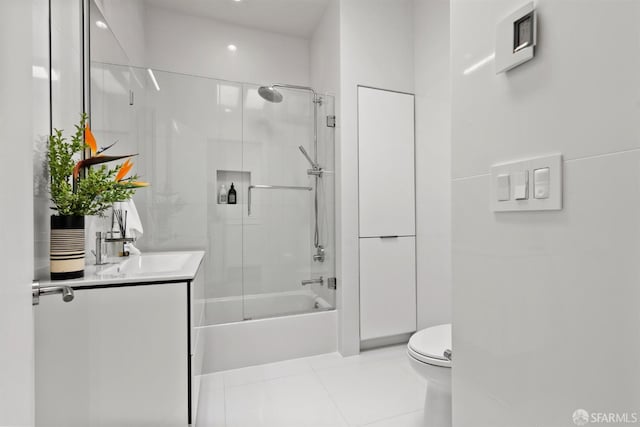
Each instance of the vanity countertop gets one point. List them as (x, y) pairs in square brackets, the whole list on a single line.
[(148, 268)]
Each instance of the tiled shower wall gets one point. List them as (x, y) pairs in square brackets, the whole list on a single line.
[(193, 132)]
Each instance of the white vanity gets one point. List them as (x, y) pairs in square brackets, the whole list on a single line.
[(125, 351)]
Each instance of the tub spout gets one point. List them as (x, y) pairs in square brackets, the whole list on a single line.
[(319, 280)]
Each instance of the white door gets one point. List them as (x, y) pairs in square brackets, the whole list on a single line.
[(386, 163), (16, 215)]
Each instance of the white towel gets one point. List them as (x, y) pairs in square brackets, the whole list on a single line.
[(134, 224)]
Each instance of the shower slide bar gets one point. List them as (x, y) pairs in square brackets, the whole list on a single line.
[(270, 187)]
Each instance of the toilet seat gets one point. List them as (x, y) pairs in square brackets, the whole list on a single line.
[(428, 345)]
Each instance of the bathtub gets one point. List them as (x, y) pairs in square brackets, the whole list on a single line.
[(244, 331)]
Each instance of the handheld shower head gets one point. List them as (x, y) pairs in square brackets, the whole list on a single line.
[(270, 94), (304, 153)]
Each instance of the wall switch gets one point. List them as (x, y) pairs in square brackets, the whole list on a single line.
[(521, 185), (503, 187), (535, 184), (541, 183)]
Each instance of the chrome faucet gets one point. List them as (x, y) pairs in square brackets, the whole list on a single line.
[(100, 253), (319, 280)]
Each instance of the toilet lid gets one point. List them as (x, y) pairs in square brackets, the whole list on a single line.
[(432, 342)]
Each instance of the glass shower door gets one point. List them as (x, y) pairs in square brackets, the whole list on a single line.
[(279, 239)]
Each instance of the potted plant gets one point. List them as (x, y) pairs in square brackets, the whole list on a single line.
[(81, 187)]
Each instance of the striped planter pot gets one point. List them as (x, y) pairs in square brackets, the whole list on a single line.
[(67, 247)]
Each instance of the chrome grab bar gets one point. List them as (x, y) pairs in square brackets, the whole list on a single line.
[(270, 187), (37, 291)]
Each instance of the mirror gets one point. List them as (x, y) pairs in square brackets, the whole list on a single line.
[(110, 97)]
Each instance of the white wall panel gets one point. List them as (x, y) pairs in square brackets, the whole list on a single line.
[(372, 33), (17, 120), (548, 95), (540, 298), (433, 161), (198, 46)]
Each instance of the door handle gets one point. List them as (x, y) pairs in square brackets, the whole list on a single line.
[(37, 291)]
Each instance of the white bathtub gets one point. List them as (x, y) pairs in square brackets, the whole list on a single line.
[(255, 329), (250, 307)]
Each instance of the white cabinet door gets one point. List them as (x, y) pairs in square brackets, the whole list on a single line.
[(119, 355), (386, 163), (387, 286)]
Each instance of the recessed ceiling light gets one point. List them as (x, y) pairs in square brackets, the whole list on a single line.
[(102, 25), (232, 47), (237, 1)]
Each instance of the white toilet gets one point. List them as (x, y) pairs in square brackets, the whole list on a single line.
[(426, 350)]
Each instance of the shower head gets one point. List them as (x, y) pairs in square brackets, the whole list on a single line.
[(270, 93), (305, 154)]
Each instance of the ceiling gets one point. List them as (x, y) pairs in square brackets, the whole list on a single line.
[(291, 17)]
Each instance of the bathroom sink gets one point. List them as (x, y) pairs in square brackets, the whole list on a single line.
[(148, 264)]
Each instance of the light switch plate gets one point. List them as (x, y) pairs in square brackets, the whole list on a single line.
[(521, 185), (516, 38), (552, 202), (503, 184), (541, 183)]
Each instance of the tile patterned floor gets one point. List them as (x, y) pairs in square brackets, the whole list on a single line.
[(377, 388)]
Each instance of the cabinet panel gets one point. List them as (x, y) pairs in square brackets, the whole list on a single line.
[(387, 287), (386, 147), (119, 354)]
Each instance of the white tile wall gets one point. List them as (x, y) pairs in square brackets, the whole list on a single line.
[(546, 96), (541, 298), (433, 161), (195, 45), (194, 127), (415, 48), (363, 50), (18, 92)]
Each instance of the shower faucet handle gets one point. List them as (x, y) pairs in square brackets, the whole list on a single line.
[(320, 254)]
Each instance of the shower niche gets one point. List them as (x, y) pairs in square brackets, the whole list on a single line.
[(241, 181)]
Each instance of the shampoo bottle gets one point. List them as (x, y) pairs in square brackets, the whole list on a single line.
[(232, 198), (222, 196)]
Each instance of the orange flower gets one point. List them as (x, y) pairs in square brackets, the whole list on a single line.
[(95, 161), (90, 140), (124, 170)]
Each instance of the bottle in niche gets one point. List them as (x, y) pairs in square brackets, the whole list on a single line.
[(222, 196), (231, 196)]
